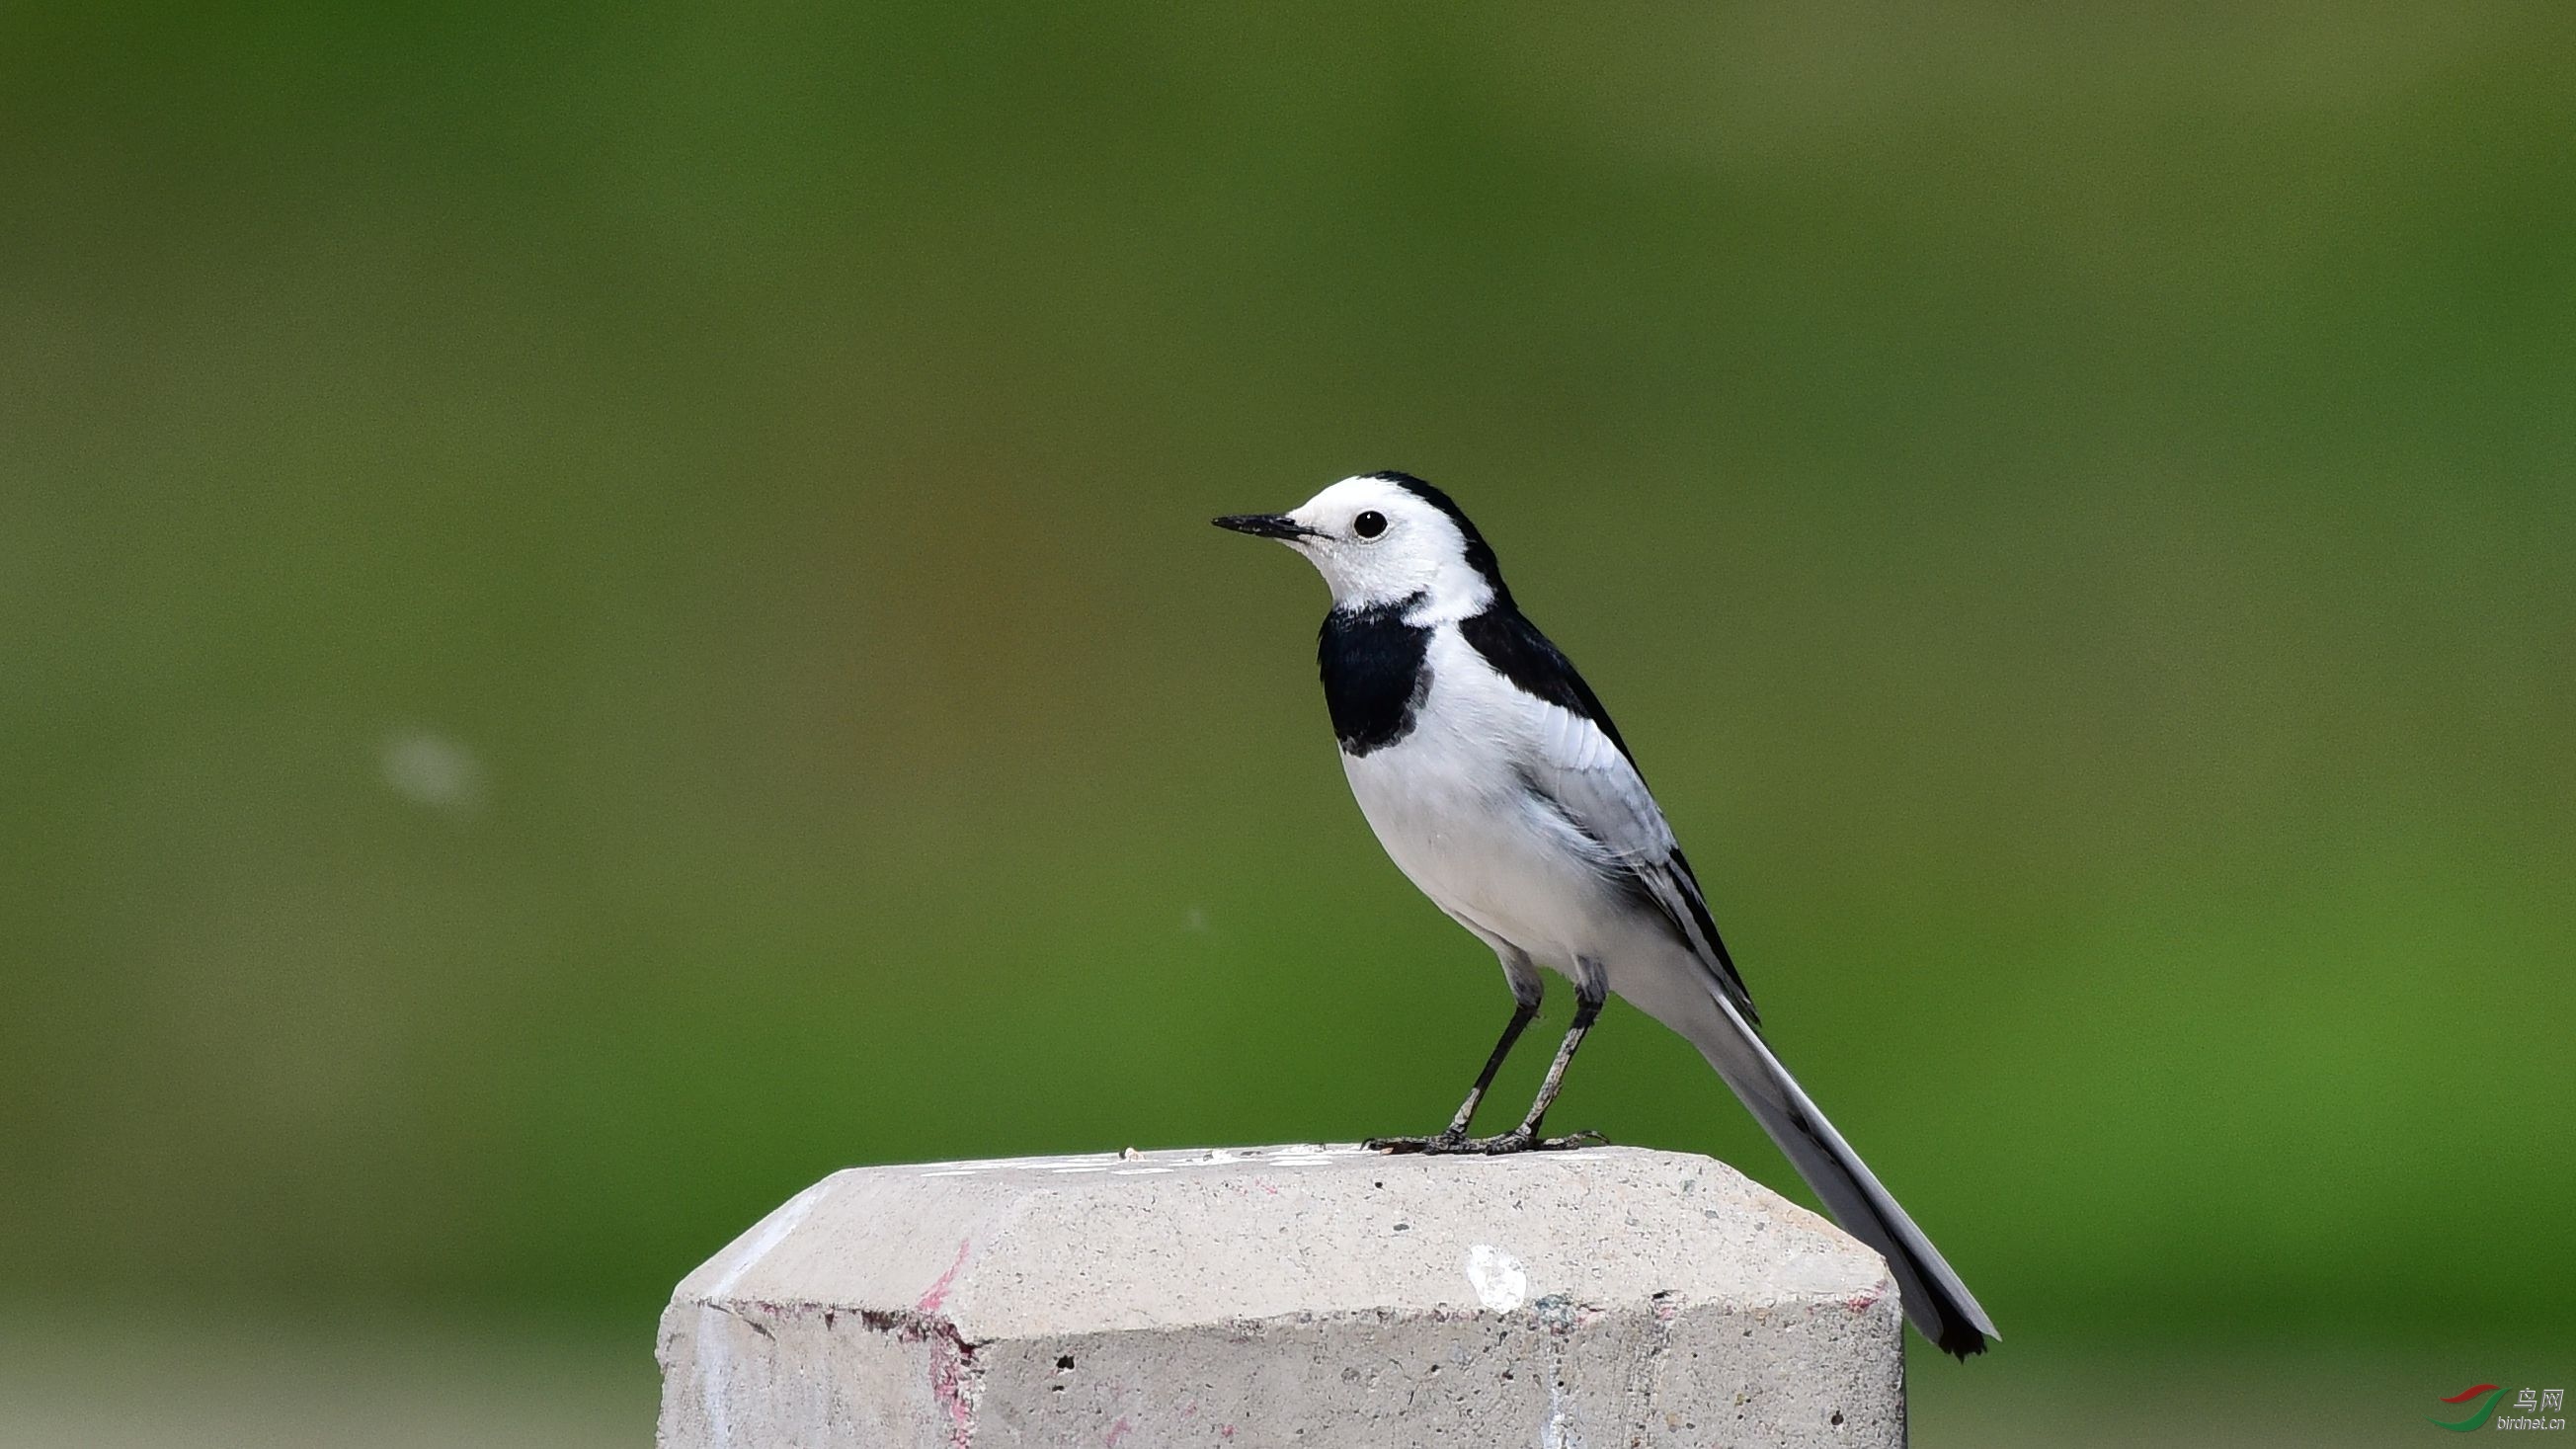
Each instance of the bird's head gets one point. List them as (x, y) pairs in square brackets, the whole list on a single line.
[(1383, 538)]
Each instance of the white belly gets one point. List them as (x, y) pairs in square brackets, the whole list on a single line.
[(1447, 803)]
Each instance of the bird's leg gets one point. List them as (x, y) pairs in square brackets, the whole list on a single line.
[(1523, 1012), (1590, 992)]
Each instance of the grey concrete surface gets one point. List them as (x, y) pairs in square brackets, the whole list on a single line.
[(1312, 1295)]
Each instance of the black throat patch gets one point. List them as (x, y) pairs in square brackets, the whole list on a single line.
[(1375, 677)]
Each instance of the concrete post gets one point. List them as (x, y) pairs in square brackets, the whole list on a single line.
[(1323, 1296)]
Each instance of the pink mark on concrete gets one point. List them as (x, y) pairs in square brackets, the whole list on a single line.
[(949, 1388), (938, 1293), (1225, 1431), (955, 1383), (1862, 1302), (1118, 1431), (1266, 1185)]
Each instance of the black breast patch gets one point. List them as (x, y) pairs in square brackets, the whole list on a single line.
[(1375, 677)]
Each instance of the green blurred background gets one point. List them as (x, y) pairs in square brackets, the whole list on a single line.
[(605, 609)]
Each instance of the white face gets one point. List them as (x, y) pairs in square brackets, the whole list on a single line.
[(1376, 543)]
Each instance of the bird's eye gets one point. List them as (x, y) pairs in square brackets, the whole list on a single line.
[(1369, 524)]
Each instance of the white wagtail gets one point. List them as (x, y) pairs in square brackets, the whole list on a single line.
[(1500, 787)]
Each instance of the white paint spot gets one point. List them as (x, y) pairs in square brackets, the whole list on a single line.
[(1497, 1277), (1559, 1431), (1136, 1171), (432, 771)]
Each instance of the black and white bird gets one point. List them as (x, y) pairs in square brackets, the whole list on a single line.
[(1500, 787)]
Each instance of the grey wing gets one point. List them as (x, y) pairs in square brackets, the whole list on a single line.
[(1593, 784)]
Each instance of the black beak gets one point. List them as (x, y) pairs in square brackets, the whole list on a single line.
[(1266, 525)]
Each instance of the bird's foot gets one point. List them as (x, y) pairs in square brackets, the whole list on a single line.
[(1459, 1144), (1453, 1140)]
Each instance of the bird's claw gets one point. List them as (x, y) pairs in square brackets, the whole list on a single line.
[(1441, 1143), (1459, 1144)]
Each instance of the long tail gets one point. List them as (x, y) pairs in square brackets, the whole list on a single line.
[(1936, 1302)]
